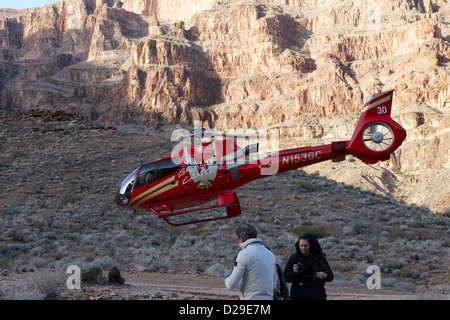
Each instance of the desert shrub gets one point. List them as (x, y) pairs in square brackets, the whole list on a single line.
[(396, 264), (319, 231), (5, 163), (408, 272), (68, 198), (38, 262), (305, 185), (199, 267), (5, 262), (50, 283), (216, 270), (94, 275), (151, 259)]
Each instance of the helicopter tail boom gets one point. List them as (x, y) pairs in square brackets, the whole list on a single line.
[(375, 137)]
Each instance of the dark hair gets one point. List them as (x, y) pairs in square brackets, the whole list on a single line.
[(246, 231), (313, 242)]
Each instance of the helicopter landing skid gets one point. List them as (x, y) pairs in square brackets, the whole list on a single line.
[(229, 200)]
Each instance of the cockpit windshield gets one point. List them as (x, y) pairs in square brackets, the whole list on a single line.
[(123, 195)]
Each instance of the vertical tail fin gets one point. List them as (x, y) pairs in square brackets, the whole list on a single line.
[(376, 134)]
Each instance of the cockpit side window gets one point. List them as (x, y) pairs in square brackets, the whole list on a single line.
[(167, 167), (146, 175)]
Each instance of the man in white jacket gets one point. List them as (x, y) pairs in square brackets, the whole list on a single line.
[(255, 267)]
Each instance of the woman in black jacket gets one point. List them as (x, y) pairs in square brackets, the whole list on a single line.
[(308, 270)]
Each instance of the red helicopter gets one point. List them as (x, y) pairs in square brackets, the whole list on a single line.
[(197, 174)]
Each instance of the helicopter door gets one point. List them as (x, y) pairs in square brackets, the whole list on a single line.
[(146, 175), (167, 167)]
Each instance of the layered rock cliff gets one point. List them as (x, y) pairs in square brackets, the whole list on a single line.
[(304, 66)]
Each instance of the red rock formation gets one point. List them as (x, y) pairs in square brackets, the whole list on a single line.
[(234, 63)]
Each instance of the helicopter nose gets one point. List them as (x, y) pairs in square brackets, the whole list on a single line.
[(123, 195), (120, 201)]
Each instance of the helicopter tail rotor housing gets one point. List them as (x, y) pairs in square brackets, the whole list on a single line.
[(376, 134)]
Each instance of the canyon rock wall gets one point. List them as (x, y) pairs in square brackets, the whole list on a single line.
[(303, 66)]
